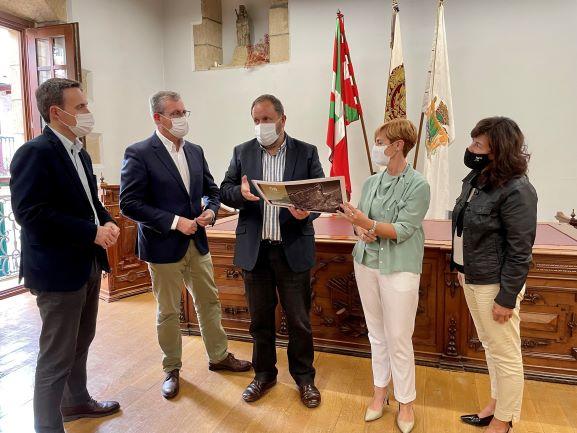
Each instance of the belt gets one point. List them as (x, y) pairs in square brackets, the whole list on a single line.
[(271, 242)]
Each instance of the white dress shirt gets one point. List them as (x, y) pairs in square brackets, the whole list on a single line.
[(73, 150), (179, 158)]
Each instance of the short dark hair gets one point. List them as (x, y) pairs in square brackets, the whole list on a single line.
[(273, 100), (51, 92), (507, 144)]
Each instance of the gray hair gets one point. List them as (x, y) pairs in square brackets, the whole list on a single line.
[(157, 100), (273, 100), (51, 92)]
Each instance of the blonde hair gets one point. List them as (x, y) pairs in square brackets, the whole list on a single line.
[(399, 129)]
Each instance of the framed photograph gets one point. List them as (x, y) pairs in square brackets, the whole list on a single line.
[(313, 195)]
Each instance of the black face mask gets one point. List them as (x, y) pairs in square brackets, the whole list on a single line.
[(476, 161)]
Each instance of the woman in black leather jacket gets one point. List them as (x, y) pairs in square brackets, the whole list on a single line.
[(494, 225)]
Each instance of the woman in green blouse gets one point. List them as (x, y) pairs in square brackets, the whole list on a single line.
[(388, 260)]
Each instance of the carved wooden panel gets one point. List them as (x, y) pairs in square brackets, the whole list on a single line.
[(426, 322), (129, 276)]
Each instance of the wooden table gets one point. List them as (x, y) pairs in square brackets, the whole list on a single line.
[(444, 332)]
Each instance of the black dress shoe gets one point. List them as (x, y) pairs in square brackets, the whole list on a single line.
[(310, 395), (256, 389), (476, 421), (91, 409), (171, 384)]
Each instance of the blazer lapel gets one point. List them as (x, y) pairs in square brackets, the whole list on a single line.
[(291, 159), (256, 159), (191, 167), (168, 162), (67, 161), (89, 174)]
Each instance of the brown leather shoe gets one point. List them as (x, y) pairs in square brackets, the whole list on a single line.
[(171, 384), (230, 363), (310, 395), (91, 409), (256, 389)]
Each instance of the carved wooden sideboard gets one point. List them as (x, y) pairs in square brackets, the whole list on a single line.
[(444, 332), (129, 276)]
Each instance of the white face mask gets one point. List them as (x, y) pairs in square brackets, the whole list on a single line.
[(84, 124), (266, 134), (179, 126), (378, 155)]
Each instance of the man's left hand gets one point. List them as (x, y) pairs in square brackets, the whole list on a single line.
[(205, 218), (299, 214), (501, 314)]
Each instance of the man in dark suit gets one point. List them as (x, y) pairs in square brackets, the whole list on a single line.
[(65, 231), (275, 247), (163, 180)]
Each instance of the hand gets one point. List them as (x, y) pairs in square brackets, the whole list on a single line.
[(245, 190), (205, 218), (501, 314), (365, 236), (461, 279), (186, 226), (299, 214), (354, 216), (114, 228), (105, 236)]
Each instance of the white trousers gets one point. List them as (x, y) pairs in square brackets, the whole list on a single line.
[(390, 306), (502, 344)]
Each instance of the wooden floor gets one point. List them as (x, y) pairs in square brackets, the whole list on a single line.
[(124, 364)]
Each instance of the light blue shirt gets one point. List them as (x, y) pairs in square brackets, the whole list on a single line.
[(73, 149)]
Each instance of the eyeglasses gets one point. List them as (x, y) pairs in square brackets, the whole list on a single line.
[(177, 114)]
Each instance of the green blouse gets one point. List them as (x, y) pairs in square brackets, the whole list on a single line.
[(402, 200)]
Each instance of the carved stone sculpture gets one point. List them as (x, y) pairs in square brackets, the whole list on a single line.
[(242, 27)]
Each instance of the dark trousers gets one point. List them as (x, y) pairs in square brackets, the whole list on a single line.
[(270, 274), (68, 328)]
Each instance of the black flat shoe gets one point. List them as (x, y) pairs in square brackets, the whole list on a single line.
[(476, 421)]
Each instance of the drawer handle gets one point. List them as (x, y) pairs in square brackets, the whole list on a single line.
[(531, 298)]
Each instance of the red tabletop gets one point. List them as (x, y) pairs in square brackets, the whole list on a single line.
[(436, 231)]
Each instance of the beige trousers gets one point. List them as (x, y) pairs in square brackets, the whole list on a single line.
[(502, 344), (195, 270)]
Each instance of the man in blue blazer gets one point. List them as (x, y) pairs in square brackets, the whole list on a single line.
[(275, 247), (163, 180), (64, 233)]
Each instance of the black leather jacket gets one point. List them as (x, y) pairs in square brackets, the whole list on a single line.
[(499, 227)]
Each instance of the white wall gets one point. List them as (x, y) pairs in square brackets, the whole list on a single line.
[(121, 43), (516, 58)]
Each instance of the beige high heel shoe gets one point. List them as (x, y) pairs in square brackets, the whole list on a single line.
[(372, 415), (405, 426)]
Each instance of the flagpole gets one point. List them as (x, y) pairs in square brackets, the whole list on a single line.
[(363, 126), (415, 161)]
